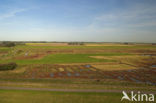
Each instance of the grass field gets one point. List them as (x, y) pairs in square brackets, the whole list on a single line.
[(93, 66), (22, 96), (30, 96), (67, 58)]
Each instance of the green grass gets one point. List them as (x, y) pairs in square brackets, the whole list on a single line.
[(75, 58), (67, 58), (29, 96), (106, 84), (4, 49)]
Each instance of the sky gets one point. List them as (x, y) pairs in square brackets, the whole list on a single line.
[(78, 20)]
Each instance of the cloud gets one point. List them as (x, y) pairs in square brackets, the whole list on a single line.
[(135, 24), (12, 13), (139, 16)]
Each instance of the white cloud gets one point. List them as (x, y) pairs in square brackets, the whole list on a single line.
[(12, 13), (139, 16), (135, 24)]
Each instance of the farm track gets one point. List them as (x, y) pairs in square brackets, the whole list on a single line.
[(71, 90)]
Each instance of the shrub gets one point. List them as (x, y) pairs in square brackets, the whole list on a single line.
[(9, 66), (7, 44), (75, 43)]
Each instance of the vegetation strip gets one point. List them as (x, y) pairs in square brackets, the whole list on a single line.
[(69, 90)]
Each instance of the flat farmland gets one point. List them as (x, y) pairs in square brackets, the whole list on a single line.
[(91, 66)]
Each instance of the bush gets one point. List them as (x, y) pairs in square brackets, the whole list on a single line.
[(75, 43), (8, 44), (9, 66)]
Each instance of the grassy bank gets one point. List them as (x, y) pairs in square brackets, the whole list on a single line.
[(22, 96), (76, 84)]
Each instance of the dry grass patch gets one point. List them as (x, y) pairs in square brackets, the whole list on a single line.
[(53, 70), (132, 59), (19, 70), (113, 67), (69, 69), (61, 69), (47, 44), (105, 44)]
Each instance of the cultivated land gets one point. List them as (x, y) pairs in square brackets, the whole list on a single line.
[(106, 67)]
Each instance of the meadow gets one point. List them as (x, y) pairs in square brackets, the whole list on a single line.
[(95, 66), (22, 96), (30, 96)]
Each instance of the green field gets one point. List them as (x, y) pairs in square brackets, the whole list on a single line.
[(68, 58), (23, 96), (94, 66), (30, 96)]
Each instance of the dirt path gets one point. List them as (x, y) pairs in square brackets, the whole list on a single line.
[(71, 90)]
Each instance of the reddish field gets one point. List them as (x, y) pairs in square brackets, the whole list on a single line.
[(141, 75)]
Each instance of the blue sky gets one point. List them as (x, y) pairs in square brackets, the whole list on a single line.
[(78, 20)]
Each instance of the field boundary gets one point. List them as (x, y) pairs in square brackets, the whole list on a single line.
[(71, 90)]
